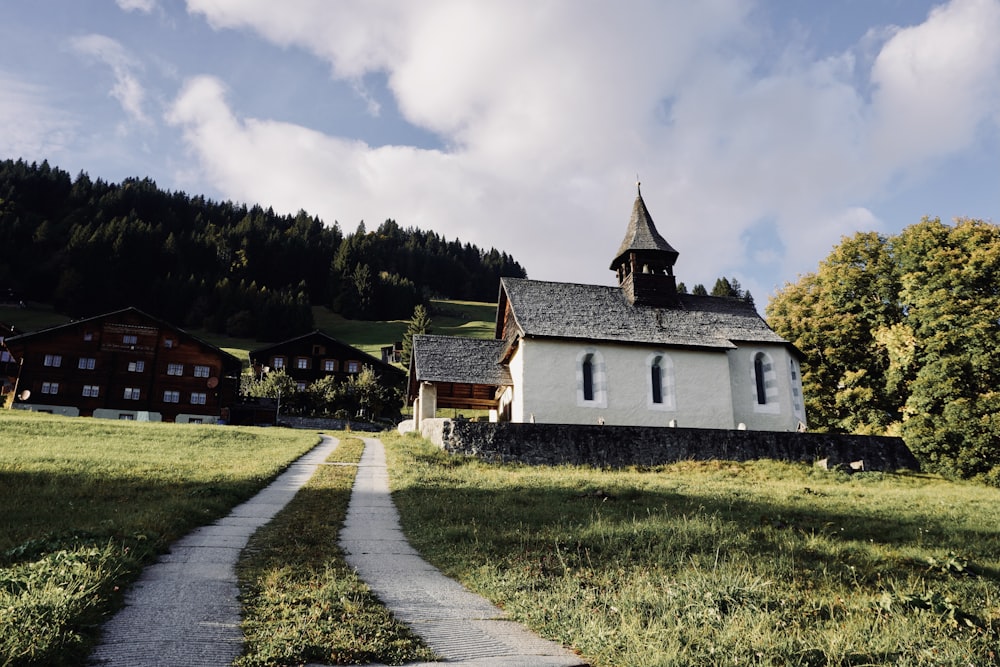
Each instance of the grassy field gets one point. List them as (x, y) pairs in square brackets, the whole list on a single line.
[(715, 563), (85, 503), (696, 563), (301, 601), (448, 318), (32, 318)]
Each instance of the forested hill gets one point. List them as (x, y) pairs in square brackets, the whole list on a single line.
[(88, 246)]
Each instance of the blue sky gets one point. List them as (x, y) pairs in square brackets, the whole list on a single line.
[(762, 131)]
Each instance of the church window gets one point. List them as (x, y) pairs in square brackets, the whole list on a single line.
[(660, 395), (588, 377), (591, 379), (758, 374), (765, 384), (798, 406)]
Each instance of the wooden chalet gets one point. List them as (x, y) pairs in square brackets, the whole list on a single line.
[(316, 355), (124, 365)]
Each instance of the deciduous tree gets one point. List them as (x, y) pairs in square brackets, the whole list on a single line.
[(902, 336)]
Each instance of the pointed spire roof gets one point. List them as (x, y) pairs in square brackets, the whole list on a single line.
[(641, 234)]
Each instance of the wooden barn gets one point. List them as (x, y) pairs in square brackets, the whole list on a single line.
[(124, 365)]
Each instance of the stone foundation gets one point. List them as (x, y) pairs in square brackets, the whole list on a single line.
[(621, 446)]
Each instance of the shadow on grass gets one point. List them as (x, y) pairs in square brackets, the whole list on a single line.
[(72, 544)]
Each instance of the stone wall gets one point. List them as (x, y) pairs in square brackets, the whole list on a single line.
[(620, 446)]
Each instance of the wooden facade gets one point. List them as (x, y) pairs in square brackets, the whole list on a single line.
[(124, 365), (315, 355), (8, 363)]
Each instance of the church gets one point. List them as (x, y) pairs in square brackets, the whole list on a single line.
[(638, 354)]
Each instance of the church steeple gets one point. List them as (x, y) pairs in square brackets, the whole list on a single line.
[(645, 261)]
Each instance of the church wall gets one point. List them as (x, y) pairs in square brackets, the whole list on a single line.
[(783, 408), (549, 383)]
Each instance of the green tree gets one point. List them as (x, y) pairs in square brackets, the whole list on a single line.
[(371, 396), (420, 323), (950, 288), (902, 336), (274, 384)]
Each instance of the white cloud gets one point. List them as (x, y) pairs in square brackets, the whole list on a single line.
[(548, 110), (937, 82), (127, 89), (144, 6), (30, 125)]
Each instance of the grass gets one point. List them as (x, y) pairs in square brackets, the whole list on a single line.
[(32, 318), (448, 318), (86, 503), (302, 603), (716, 563)]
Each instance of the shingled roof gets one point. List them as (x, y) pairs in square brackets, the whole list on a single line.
[(459, 360), (595, 312), (641, 235)]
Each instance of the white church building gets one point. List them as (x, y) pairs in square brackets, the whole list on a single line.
[(638, 354)]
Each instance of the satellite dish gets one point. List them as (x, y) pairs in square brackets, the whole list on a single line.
[(213, 382), (24, 395)]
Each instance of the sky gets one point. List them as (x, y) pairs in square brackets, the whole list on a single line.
[(762, 131)]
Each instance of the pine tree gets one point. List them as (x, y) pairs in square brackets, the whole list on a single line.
[(420, 323)]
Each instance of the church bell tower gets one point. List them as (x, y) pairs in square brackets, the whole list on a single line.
[(644, 263)]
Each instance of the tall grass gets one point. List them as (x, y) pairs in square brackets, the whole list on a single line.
[(717, 563), (85, 503)]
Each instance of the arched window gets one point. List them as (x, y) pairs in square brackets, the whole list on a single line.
[(758, 376), (656, 378), (660, 394), (591, 379), (765, 384), (588, 377), (798, 406)]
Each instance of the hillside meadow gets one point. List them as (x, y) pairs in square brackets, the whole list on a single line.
[(86, 503), (716, 563)]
